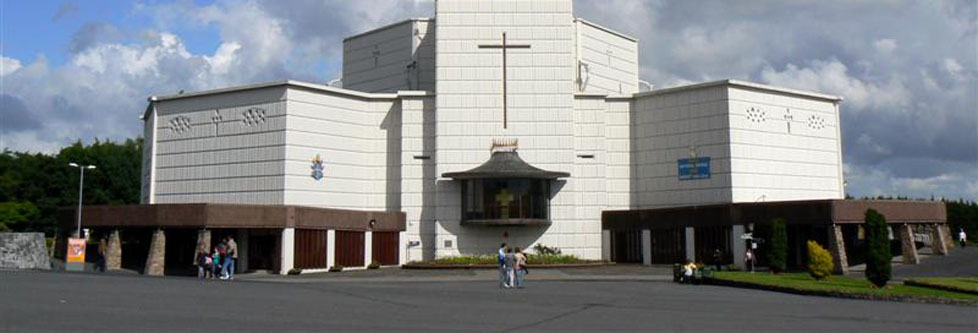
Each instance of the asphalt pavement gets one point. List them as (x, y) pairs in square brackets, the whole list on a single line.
[(59, 301)]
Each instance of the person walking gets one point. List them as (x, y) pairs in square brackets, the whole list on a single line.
[(201, 261), (509, 262), (502, 265), (962, 238), (749, 260), (520, 267), (717, 257), (215, 261), (103, 248), (232, 257)]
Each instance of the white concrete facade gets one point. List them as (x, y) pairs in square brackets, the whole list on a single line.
[(421, 98)]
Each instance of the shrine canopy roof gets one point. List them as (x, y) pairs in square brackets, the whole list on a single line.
[(505, 164)]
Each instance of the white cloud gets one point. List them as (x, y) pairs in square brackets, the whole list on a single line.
[(833, 77), (885, 46), (8, 65)]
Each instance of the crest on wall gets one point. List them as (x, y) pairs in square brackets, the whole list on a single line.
[(317, 167)]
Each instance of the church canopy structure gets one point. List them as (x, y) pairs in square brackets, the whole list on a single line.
[(505, 191)]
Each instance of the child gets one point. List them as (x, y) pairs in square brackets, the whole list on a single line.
[(215, 262)]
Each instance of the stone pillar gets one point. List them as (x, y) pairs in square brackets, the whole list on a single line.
[(949, 238), (288, 251), (691, 244), (738, 245), (837, 246), (368, 247), (203, 238), (606, 245), (646, 247), (937, 240), (113, 257), (242, 264), (330, 248), (909, 248), (156, 260)]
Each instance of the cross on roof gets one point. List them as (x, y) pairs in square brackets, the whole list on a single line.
[(504, 46)]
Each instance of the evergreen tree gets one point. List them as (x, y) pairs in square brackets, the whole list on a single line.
[(777, 257), (878, 249)]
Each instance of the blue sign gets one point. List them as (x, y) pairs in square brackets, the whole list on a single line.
[(694, 168)]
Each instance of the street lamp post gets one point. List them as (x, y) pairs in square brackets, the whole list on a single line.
[(81, 184)]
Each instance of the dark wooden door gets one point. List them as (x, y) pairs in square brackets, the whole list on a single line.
[(384, 248), (349, 248), (626, 246), (668, 246), (310, 248)]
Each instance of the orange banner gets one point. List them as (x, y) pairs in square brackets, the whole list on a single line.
[(76, 250)]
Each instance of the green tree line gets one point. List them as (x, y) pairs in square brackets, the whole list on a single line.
[(33, 186)]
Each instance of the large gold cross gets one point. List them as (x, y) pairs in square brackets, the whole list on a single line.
[(504, 46)]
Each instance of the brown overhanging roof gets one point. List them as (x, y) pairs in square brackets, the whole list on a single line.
[(794, 212), (505, 164), (209, 215)]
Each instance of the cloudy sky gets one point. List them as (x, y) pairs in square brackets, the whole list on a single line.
[(907, 69)]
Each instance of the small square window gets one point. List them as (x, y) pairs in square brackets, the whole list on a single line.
[(448, 244)]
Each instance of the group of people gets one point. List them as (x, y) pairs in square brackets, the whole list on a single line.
[(512, 267), (222, 259)]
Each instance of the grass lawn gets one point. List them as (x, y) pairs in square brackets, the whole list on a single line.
[(966, 283), (838, 284)]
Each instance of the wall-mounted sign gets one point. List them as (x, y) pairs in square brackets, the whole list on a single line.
[(694, 168), (317, 167)]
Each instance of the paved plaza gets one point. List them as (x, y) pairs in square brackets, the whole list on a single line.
[(31, 301)]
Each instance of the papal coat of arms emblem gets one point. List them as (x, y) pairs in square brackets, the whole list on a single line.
[(317, 167)]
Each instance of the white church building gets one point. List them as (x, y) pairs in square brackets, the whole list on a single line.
[(496, 121)]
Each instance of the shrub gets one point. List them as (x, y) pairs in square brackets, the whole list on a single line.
[(295, 271), (777, 257), (544, 259), (472, 259), (731, 268), (545, 250), (878, 254), (820, 264), (336, 268), (373, 265)]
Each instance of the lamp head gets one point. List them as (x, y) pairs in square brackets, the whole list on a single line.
[(90, 167), (73, 164)]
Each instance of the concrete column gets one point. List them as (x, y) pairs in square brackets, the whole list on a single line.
[(368, 247), (909, 248), (156, 259), (288, 251), (113, 259), (691, 244), (242, 264), (738, 245), (837, 246), (402, 250), (330, 248), (646, 247), (606, 245), (937, 240)]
